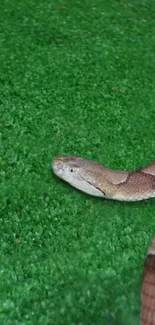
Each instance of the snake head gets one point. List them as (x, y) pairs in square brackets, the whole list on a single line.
[(74, 171), (65, 167)]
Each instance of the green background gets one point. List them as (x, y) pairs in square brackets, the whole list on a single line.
[(76, 77)]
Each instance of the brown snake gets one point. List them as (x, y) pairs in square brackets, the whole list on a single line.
[(147, 316), (94, 179)]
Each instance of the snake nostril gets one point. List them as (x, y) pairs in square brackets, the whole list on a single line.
[(57, 166)]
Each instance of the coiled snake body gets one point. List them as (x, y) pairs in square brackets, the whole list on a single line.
[(94, 179)]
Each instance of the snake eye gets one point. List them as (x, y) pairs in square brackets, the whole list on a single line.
[(73, 168)]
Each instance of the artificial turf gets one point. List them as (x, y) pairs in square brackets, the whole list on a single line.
[(76, 77)]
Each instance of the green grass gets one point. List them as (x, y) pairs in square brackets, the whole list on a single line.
[(76, 77)]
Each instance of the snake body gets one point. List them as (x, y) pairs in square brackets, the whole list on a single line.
[(94, 179), (147, 316)]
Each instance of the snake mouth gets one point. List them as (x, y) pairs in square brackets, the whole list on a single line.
[(97, 188), (93, 185)]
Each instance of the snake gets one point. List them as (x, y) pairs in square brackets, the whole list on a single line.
[(147, 316), (94, 179)]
